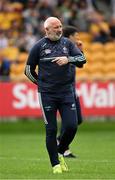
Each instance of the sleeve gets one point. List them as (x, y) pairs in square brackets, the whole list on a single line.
[(31, 64), (76, 57)]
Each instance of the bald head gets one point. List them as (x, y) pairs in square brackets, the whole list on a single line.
[(50, 21), (53, 28)]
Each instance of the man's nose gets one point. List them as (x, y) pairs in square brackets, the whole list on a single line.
[(59, 28)]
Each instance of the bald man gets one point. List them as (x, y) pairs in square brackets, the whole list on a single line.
[(54, 55)]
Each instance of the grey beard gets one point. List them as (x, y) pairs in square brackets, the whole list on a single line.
[(55, 38)]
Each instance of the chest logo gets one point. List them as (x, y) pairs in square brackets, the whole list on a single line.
[(65, 50), (47, 51)]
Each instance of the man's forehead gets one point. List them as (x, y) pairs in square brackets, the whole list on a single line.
[(56, 23)]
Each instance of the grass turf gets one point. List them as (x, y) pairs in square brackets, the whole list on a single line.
[(23, 153)]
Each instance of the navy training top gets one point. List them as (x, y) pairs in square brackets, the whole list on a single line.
[(50, 76)]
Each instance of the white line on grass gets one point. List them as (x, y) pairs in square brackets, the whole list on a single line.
[(45, 159), (22, 159)]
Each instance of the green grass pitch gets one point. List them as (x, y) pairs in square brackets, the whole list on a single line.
[(23, 153)]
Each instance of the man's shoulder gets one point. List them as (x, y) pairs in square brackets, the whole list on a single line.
[(66, 40), (39, 44), (41, 41)]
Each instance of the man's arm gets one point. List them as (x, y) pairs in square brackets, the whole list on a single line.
[(79, 44), (31, 74), (76, 55), (31, 66), (77, 60)]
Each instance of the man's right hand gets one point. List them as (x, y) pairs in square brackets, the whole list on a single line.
[(80, 45), (61, 60)]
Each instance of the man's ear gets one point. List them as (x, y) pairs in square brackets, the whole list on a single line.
[(71, 37)]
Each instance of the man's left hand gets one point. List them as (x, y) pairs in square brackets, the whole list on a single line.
[(61, 60)]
